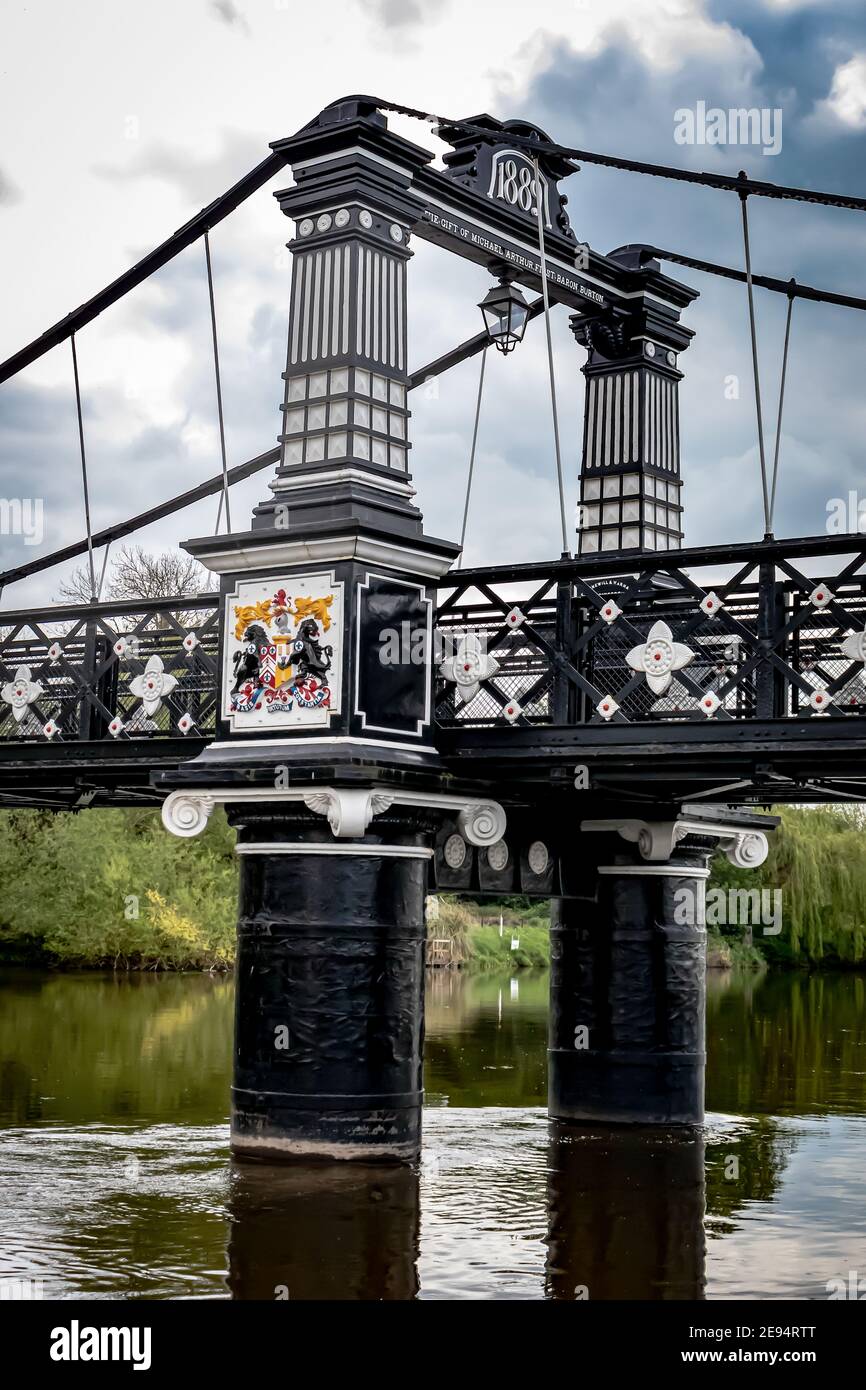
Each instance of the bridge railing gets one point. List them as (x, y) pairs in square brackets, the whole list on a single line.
[(768, 631), (143, 669)]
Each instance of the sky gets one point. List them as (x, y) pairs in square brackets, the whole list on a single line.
[(120, 120)]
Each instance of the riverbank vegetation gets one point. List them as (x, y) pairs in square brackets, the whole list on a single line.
[(817, 865), (512, 932), (110, 888)]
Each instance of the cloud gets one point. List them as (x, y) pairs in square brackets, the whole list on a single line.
[(400, 14), (198, 178), (9, 193), (579, 97), (608, 77), (847, 99), (147, 378), (228, 13)]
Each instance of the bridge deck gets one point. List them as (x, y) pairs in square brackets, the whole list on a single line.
[(763, 645)]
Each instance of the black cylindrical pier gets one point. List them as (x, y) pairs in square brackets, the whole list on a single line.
[(628, 998), (329, 1015)]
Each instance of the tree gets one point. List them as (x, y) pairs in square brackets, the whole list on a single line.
[(136, 573)]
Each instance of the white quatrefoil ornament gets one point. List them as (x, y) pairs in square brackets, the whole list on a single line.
[(21, 692), (659, 657), (469, 666), (153, 685)]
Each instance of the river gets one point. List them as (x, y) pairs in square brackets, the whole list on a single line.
[(117, 1180)]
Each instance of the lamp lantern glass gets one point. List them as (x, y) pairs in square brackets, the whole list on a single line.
[(505, 314)]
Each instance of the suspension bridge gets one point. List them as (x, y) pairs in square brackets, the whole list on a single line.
[(588, 729)]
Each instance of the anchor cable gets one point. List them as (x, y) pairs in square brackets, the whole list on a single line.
[(472, 457), (213, 485), (219, 395), (546, 298), (177, 242), (83, 470), (743, 198)]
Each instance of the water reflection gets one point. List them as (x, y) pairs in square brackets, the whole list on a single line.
[(786, 1043), (626, 1214), (117, 1180), (327, 1231), (85, 1047), (486, 1038)]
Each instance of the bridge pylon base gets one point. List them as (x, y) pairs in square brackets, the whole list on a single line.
[(329, 1016), (628, 996)]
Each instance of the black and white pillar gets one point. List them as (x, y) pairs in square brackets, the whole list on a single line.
[(630, 485), (345, 408), (627, 1001), (324, 755)]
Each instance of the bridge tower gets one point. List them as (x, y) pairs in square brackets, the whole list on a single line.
[(326, 757)]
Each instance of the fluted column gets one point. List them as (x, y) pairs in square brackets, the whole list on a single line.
[(630, 480)]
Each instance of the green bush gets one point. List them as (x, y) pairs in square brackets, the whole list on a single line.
[(112, 888), (818, 860)]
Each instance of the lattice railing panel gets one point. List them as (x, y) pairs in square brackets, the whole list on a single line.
[(107, 672), (773, 642)]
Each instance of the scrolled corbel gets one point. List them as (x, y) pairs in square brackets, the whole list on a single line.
[(186, 813), (747, 850)]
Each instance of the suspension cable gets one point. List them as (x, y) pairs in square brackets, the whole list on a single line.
[(222, 206), (178, 241), (219, 395), (104, 568), (546, 298), (213, 485), (83, 470), (743, 198), (472, 456), (792, 288), (781, 399), (533, 146)]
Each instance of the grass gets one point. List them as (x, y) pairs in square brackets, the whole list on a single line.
[(475, 939)]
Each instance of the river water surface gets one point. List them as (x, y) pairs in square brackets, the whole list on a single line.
[(116, 1179)]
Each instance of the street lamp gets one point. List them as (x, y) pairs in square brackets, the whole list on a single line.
[(505, 314)]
